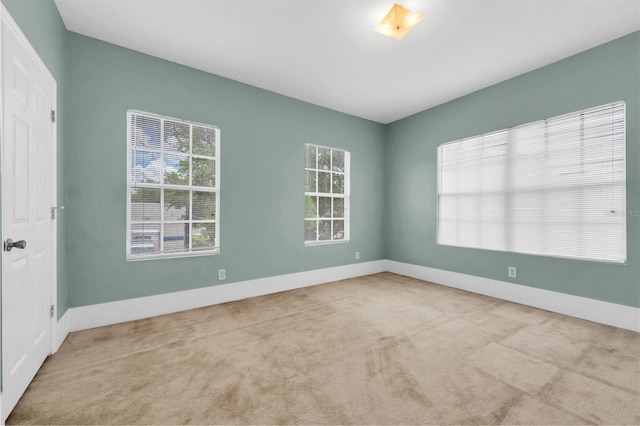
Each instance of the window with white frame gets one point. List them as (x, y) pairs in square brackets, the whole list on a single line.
[(554, 187), (172, 199), (326, 195)]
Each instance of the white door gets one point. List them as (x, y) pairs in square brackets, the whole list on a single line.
[(27, 94)]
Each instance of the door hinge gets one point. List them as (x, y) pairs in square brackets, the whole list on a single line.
[(53, 211), (52, 311), (53, 116)]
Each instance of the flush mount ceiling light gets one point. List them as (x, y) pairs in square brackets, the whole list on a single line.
[(398, 22)]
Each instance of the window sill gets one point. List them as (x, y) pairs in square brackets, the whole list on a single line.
[(324, 243), (138, 258)]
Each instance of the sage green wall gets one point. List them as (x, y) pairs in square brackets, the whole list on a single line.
[(262, 140), (262, 150), (604, 74)]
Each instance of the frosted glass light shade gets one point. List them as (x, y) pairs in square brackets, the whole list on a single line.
[(398, 22)]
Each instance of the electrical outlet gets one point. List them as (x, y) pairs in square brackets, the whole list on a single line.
[(357, 255), (513, 272), (222, 274)]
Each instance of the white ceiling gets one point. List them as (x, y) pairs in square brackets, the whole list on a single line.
[(326, 51)]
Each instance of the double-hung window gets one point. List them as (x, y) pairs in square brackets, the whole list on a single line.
[(554, 187), (173, 183), (326, 195)]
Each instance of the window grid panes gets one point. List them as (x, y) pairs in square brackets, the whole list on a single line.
[(172, 202), (326, 194), (554, 187)]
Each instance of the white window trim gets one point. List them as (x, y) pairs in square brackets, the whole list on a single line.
[(143, 257), (346, 196), (510, 192)]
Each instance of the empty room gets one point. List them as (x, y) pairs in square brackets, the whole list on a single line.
[(320, 212)]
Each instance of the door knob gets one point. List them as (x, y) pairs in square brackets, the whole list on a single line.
[(10, 244)]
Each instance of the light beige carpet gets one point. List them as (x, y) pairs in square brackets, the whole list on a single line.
[(382, 349)]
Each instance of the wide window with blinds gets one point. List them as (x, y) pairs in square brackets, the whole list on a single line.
[(173, 184), (326, 195), (555, 187)]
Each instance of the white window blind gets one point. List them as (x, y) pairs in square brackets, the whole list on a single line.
[(554, 187), (172, 201)]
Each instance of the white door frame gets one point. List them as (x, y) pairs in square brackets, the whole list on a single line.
[(7, 21)]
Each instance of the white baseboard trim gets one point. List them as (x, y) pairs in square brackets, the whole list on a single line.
[(608, 313), (61, 331), (92, 316), (99, 315)]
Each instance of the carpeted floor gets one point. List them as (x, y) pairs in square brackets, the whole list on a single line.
[(382, 349)]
